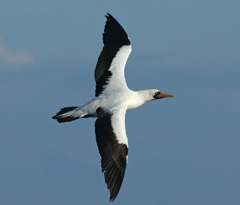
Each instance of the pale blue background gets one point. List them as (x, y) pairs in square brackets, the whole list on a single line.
[(183, 151)]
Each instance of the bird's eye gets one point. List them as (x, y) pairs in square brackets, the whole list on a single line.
[(157, 95)]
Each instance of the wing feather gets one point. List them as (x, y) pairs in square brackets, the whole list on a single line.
[(113, 152), (114, 39)]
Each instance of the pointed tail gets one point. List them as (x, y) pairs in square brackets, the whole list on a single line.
[(66, 114)]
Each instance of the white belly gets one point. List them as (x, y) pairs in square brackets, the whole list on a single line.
[(111, 101)]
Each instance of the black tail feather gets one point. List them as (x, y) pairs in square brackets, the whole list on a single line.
[(65, 109), (67, 118)]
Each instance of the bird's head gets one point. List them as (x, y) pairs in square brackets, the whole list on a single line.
[(157, 94)]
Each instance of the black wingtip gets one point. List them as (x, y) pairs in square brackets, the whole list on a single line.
[(108, 15), (111, 199), (114, 34), (110, 18)]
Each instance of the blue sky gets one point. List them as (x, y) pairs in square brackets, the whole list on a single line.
[(182, 151)]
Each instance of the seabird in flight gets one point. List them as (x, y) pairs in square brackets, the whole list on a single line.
[(112, 99)]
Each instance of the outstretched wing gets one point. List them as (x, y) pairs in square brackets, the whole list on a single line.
[(109, 70), (113, 147)]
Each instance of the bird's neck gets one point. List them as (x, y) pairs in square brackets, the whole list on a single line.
[(139, 98), (145, 95)]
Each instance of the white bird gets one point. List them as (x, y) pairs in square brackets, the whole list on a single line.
[(112, 99)]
